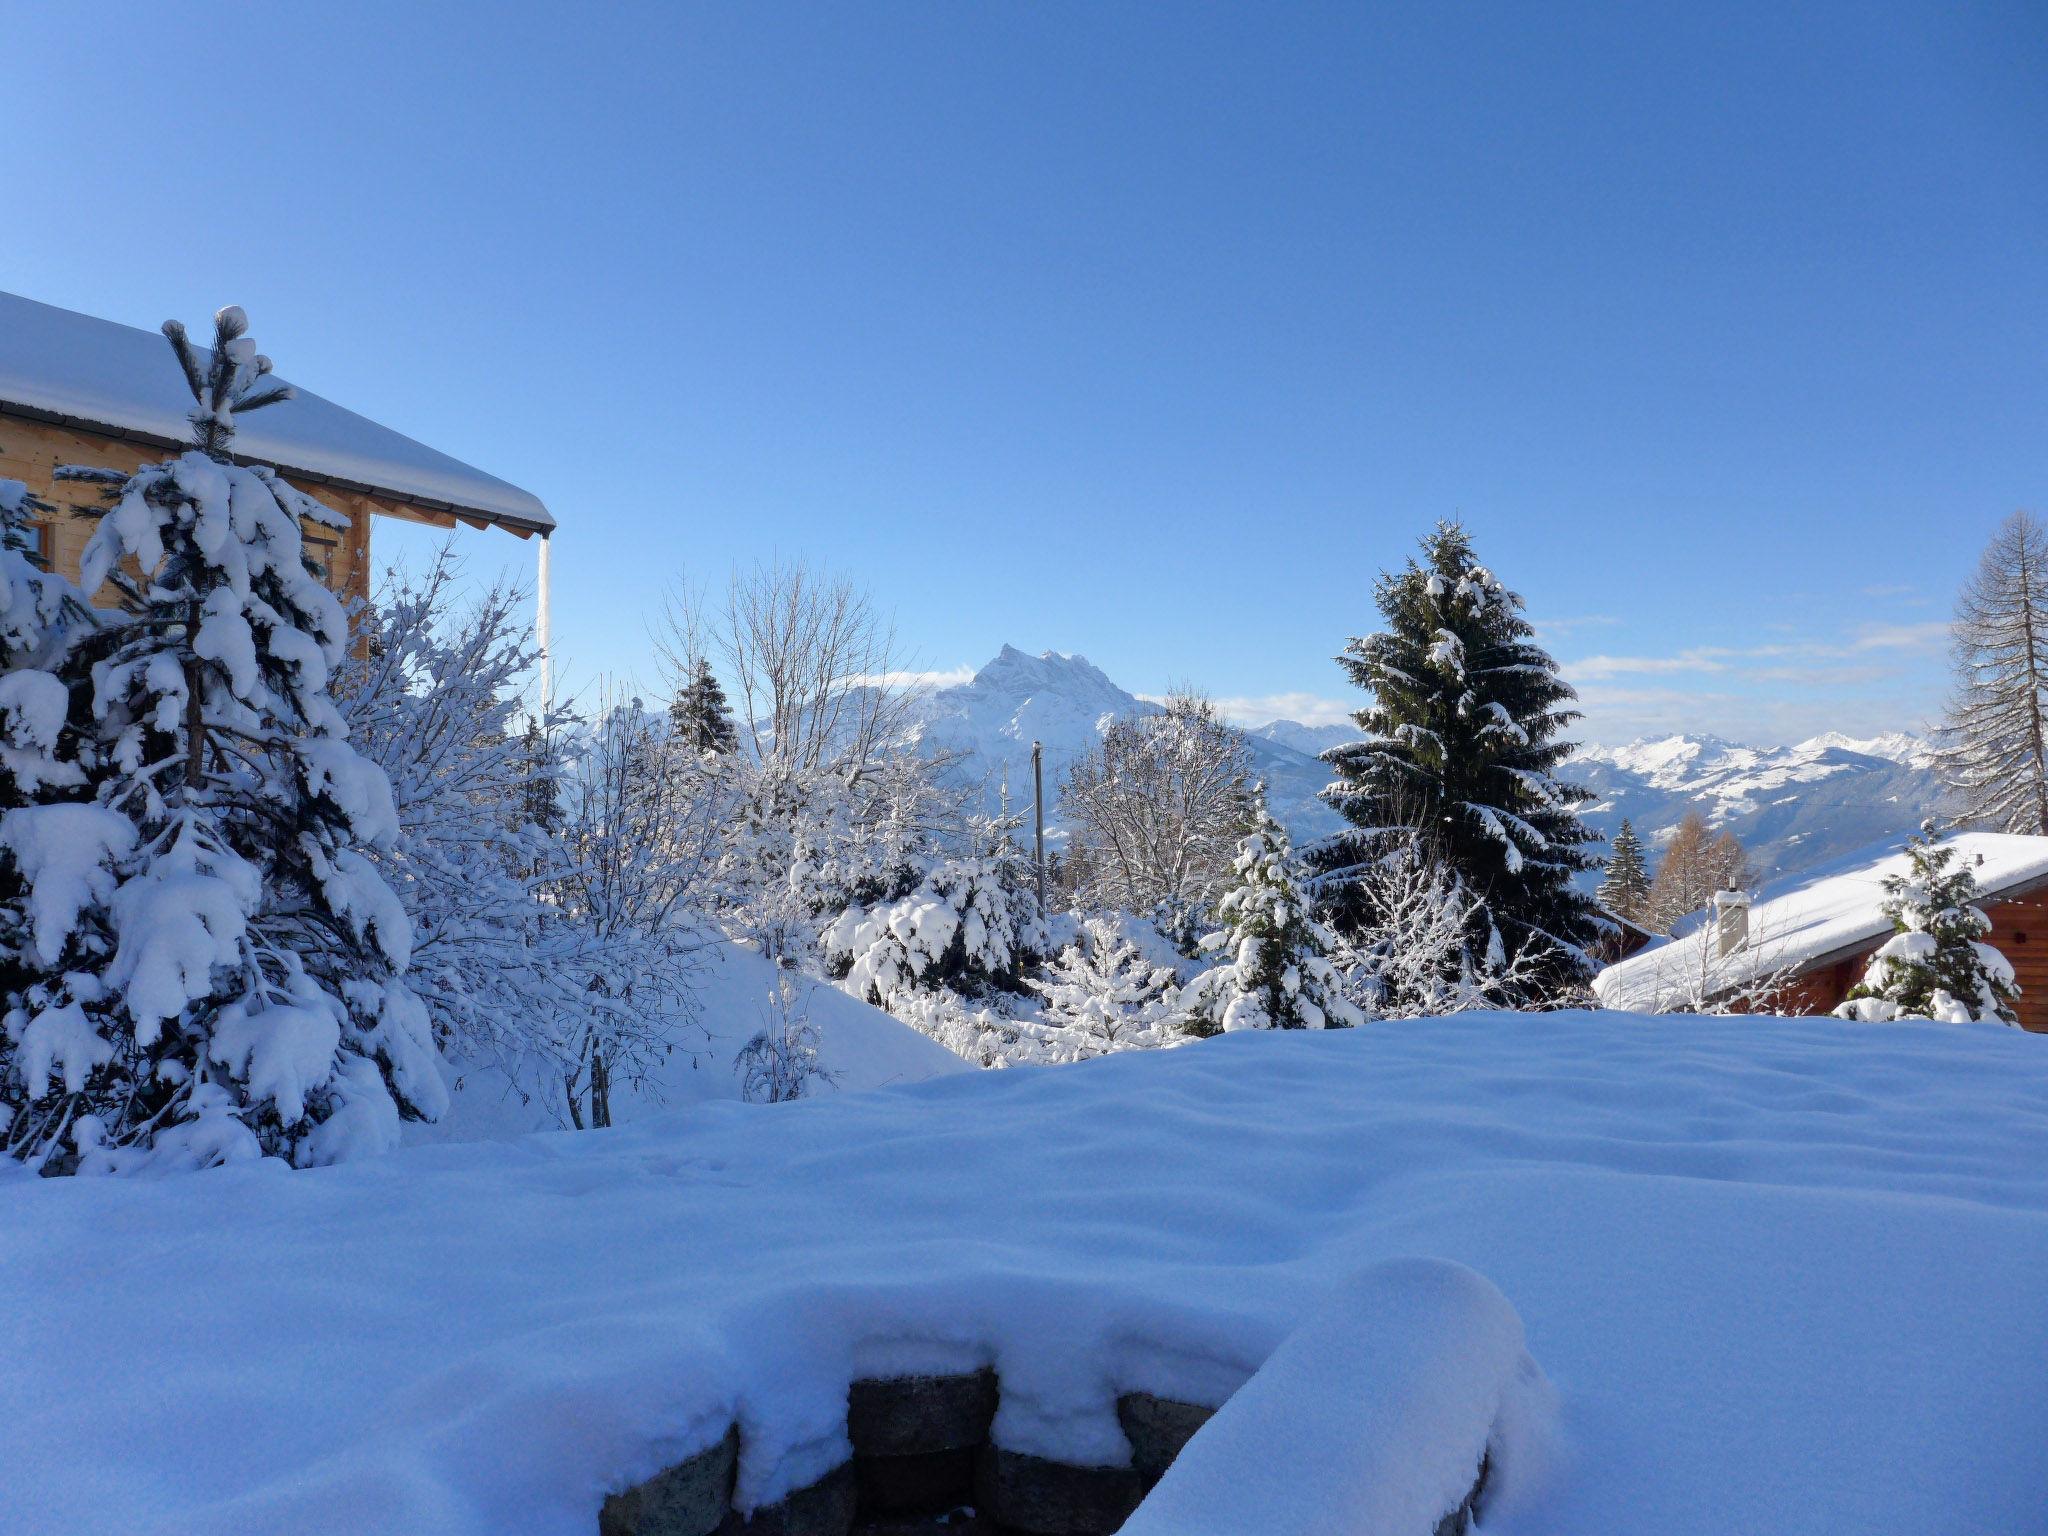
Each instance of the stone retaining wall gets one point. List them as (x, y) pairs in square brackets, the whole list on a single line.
[(923, 1462)]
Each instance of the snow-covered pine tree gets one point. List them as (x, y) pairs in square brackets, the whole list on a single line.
[(1994, 743), (699, 716), (1626, 890), (1277, 974), (219, 967), (1460, 757), (1935, 965)]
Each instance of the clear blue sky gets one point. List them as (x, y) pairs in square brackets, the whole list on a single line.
[(1146, 331)]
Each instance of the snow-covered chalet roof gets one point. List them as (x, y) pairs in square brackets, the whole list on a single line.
[(1806, 919), (101, 376)]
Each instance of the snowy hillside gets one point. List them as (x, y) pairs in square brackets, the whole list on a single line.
[(859, 1047), (1795, 808), (1314, 740), (1773, 1289), (1066, 702)]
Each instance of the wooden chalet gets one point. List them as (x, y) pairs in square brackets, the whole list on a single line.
[(1798, 948), (75, 389)]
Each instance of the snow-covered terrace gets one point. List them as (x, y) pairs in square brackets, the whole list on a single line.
[(1810, 920), (1776, 1280), (100, 376)]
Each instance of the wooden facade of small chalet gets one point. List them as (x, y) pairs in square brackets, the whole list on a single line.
[(1805, 944), (75, 389)]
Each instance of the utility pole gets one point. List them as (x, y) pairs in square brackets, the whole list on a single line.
[(1038, 815)]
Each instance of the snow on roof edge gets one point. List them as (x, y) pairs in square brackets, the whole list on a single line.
[(74, 369)]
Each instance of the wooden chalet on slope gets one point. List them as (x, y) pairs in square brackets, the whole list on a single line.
[(1802, 944), (79, 390)]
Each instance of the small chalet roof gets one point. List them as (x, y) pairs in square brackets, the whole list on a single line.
[(101, 376), (1806, 920)]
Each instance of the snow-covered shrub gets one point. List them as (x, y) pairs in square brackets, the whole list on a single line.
[(41, 617), (215, 965), (435, 700), (1111, 987), (1411, 955), (1277, 974), (643, 825), (965, 929), (781, 1062), (1935, 965)]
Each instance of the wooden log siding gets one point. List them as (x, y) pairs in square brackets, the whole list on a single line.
[(2019, 931), (31, 451)]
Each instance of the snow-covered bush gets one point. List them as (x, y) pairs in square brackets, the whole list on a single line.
[(1935, 965), (214, 965), (41, 617), (643, 825), (781, 1062), (1412, 954), (434, 698), (1277, 974), (1111, 987), (964, 929)]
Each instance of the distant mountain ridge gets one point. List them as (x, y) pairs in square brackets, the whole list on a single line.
[(989, 722), (1793, 807)]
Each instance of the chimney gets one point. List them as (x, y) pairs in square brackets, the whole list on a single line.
[(1731, 920)]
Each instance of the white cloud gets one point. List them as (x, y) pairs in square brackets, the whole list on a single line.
[(947, 677), (1903, 637), (1305, 708)]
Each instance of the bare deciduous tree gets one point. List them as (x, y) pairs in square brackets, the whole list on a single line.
[(1994, 749), (1159, 808)]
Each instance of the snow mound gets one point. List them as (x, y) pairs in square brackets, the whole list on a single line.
[(1411, 1368), (1776, 1270), (859, 1047)]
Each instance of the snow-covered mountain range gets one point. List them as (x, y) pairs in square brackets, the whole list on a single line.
[(1067, 702), (1792, 807)]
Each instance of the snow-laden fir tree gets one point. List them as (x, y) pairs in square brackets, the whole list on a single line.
[(1276, 972), (699, 716), (1111, 988), (1460, 758), (1994, 744), (1626, 889), (217, 965), (1936, 964)]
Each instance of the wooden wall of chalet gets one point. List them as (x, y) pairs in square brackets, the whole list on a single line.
[(30, 451), (2019, 931)]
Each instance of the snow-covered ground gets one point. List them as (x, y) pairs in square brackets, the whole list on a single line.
[(1783, 1276), (859, 1047)]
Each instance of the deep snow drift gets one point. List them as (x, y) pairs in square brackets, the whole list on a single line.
[(859, 1047), (1782, 1275)]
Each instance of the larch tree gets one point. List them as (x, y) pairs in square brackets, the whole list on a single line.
[(1993, 751), (1626, 889), (217, 965), (1936, 964), (1697, 862), (1462, 743)]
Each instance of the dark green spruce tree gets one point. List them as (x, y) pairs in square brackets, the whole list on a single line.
[(1459, 761), (1626, 890), (700, 716)]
